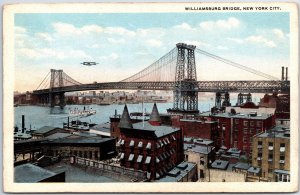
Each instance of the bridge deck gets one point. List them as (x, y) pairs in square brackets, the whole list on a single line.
[(203, 86)]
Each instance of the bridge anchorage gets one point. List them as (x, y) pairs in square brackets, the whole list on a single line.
[(186, 85)]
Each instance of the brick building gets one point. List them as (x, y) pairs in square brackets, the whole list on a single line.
[(237, 125), (280, 102), (271, 154), (149, 146), (199, 128)]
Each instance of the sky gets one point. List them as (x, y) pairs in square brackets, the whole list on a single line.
[(125, 43)]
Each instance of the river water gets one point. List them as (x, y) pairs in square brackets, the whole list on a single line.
[(38, 116)]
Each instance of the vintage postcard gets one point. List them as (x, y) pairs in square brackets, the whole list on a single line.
[(150, 97)]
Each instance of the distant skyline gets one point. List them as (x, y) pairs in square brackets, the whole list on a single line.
[(125, 43)]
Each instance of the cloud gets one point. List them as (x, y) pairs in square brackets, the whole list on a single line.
[(65, 29), (261, 40), (197, 43), (119, 31), (184, 26), (230, 23), (278, 32), (44, 36), (154, 43), (112, 56), (20, 30), (41, 53), (236, 40), (118, 41), (220, 47)]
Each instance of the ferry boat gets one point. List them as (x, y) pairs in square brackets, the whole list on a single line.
[(82, 113)]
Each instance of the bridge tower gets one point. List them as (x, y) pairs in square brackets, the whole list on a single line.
[(186, 88), (56, 80)]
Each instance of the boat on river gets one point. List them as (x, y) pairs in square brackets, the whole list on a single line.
[(82, 113)]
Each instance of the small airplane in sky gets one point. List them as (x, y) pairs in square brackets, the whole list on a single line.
[(89, 63)]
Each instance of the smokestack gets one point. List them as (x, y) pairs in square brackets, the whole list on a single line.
[(286, 73), (282, 73), (23, 123), (68, 122), (116, 113)]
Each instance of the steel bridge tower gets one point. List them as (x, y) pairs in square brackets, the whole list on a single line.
[(56, 80), (186, 87)]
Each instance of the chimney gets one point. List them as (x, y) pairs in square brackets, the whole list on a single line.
[(282, 73), (286, 73), (125, 121), (154, 117), (23, 123)]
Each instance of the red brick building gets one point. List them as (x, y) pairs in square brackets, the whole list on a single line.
[(237, 125), (149, 145), (280, 102), (192, 127)]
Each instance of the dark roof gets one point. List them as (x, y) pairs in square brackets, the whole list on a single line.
[(105, 127), (125, 119), (44, 129), (219, 164), (81, 140), (154, 114), (58, 135), (244, 166), (159, 131), (29, 173)]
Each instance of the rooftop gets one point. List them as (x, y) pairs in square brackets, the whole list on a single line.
[(198, 149), (58, 135), (178, 172), (261, 116), (80, 140), (254, 170), (219, 164), (29, 173), (105, 127), (44, 129), (276, 132), (244, 166), (159, 131)]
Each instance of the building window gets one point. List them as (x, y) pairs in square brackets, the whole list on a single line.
[(258, 123), (80, 154), (201, 173), (270, 170), (245, 139), (282, 147), (270, 159), (252, 123), (186, 157), (91, 154), (201, 162), (236, 121), (245, 130), (96, 155), (251, 131), (270, 145), (245, 123), (85, 154), (75, 153)]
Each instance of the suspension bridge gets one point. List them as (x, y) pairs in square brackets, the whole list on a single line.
[(175, 71)]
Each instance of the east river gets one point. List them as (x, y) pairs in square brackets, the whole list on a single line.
[(38, 116)]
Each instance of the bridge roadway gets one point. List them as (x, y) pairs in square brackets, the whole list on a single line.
[(261, 86)]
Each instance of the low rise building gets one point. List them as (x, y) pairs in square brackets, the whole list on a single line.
[(237, 125), (29, 173), (271, 154), (149, 145), (183, 172)]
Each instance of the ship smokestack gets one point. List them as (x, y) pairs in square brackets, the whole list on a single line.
[(68, 122), (23, 123), (282, 73), (286, 73)]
